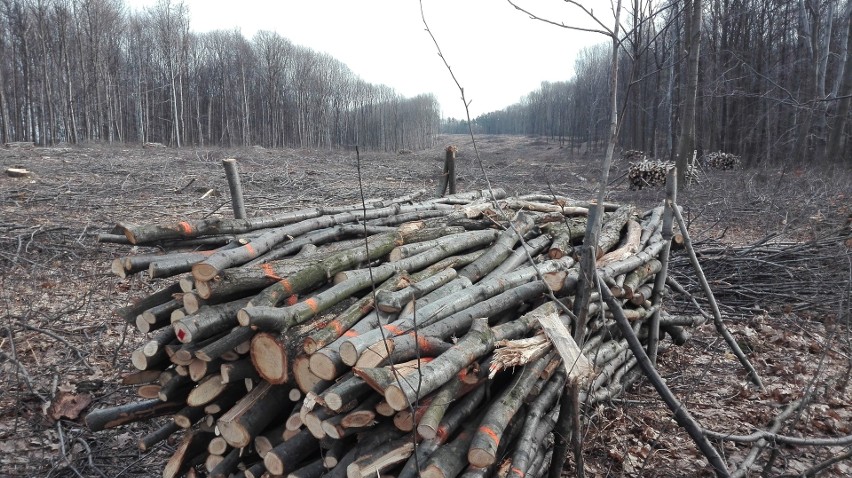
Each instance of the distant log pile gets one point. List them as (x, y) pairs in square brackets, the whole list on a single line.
[(650, 173), (322, 341), (720, 160)]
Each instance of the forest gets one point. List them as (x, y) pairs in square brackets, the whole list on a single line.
[(774, 83), (74, 71)]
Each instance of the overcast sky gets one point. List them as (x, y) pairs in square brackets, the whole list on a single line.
[(497, 53)]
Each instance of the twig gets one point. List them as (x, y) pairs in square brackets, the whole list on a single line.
[(717, 315), (682, 415)]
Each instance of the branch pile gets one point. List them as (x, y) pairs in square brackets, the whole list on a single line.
[(393, 335), (721, 160), (772, 275)]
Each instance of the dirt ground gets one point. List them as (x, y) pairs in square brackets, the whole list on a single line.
[(59, 336)]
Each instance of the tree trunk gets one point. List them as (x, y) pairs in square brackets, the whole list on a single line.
[(692, 39)]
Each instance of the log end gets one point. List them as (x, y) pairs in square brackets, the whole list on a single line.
[(183, 332), (396, 398), (269, 358), (348, 353), (204, 272), (244, 317), (322, 366), (274, 464), (427, 432), (480, 458), (117, 268), (234, 433)]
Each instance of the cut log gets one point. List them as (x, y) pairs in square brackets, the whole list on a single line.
[(251, 415), (129, 413)]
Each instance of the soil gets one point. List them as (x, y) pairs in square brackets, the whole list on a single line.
[(63, 350)]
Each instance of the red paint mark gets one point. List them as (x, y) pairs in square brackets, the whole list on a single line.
[(181, 334), (286, 285), (312, 304), (292, 300), (424, 344), (491, 433), (185, 228), (518, 472), (269, 272)]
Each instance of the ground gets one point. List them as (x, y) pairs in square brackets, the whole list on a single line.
[(61, 343)]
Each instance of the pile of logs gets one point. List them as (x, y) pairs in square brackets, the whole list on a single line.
[(652, 173), (387, 337), (720, 160)]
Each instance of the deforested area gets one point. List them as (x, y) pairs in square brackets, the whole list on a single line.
[(438, 239), (777, 260)]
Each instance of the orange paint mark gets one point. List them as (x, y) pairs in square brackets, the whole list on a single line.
[(286, 285), (393, 329), (441, 433), (350, 333), (491, 433), (185, 227), (252, 252), (518, 472), (292, 300), (312, 304), (269, 272), (424, 344), (336, 326)]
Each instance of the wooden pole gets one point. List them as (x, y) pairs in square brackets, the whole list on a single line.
[(236, 187)]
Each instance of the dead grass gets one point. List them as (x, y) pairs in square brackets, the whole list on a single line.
[(57, 295)]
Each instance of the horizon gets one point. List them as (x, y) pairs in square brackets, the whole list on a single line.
[(497, 72)]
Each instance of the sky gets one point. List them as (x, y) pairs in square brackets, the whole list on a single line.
[(497, 53)]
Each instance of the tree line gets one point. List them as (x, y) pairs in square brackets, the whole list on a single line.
[(92, 71), (774, 82)]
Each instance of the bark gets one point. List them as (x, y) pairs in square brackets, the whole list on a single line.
[(660, 278), (237, 283), (483, 447), (235, 186), (834, 147), (610, 233), (286, 456), (521, 255), (208, 321), (251, 414), (165, 430), (456, 302), (460, 412), (394, 301), (216, 263), (221, 346), (476, 343), (213, 226), (319, 272), (682, 415), (472, 239), (132, 412), (692, 40), (501, 249), (185, 456), (526, 445), (129, 313)]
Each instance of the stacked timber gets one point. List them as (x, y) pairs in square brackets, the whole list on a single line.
[(395, 336), (651, 173), (721, 160)]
